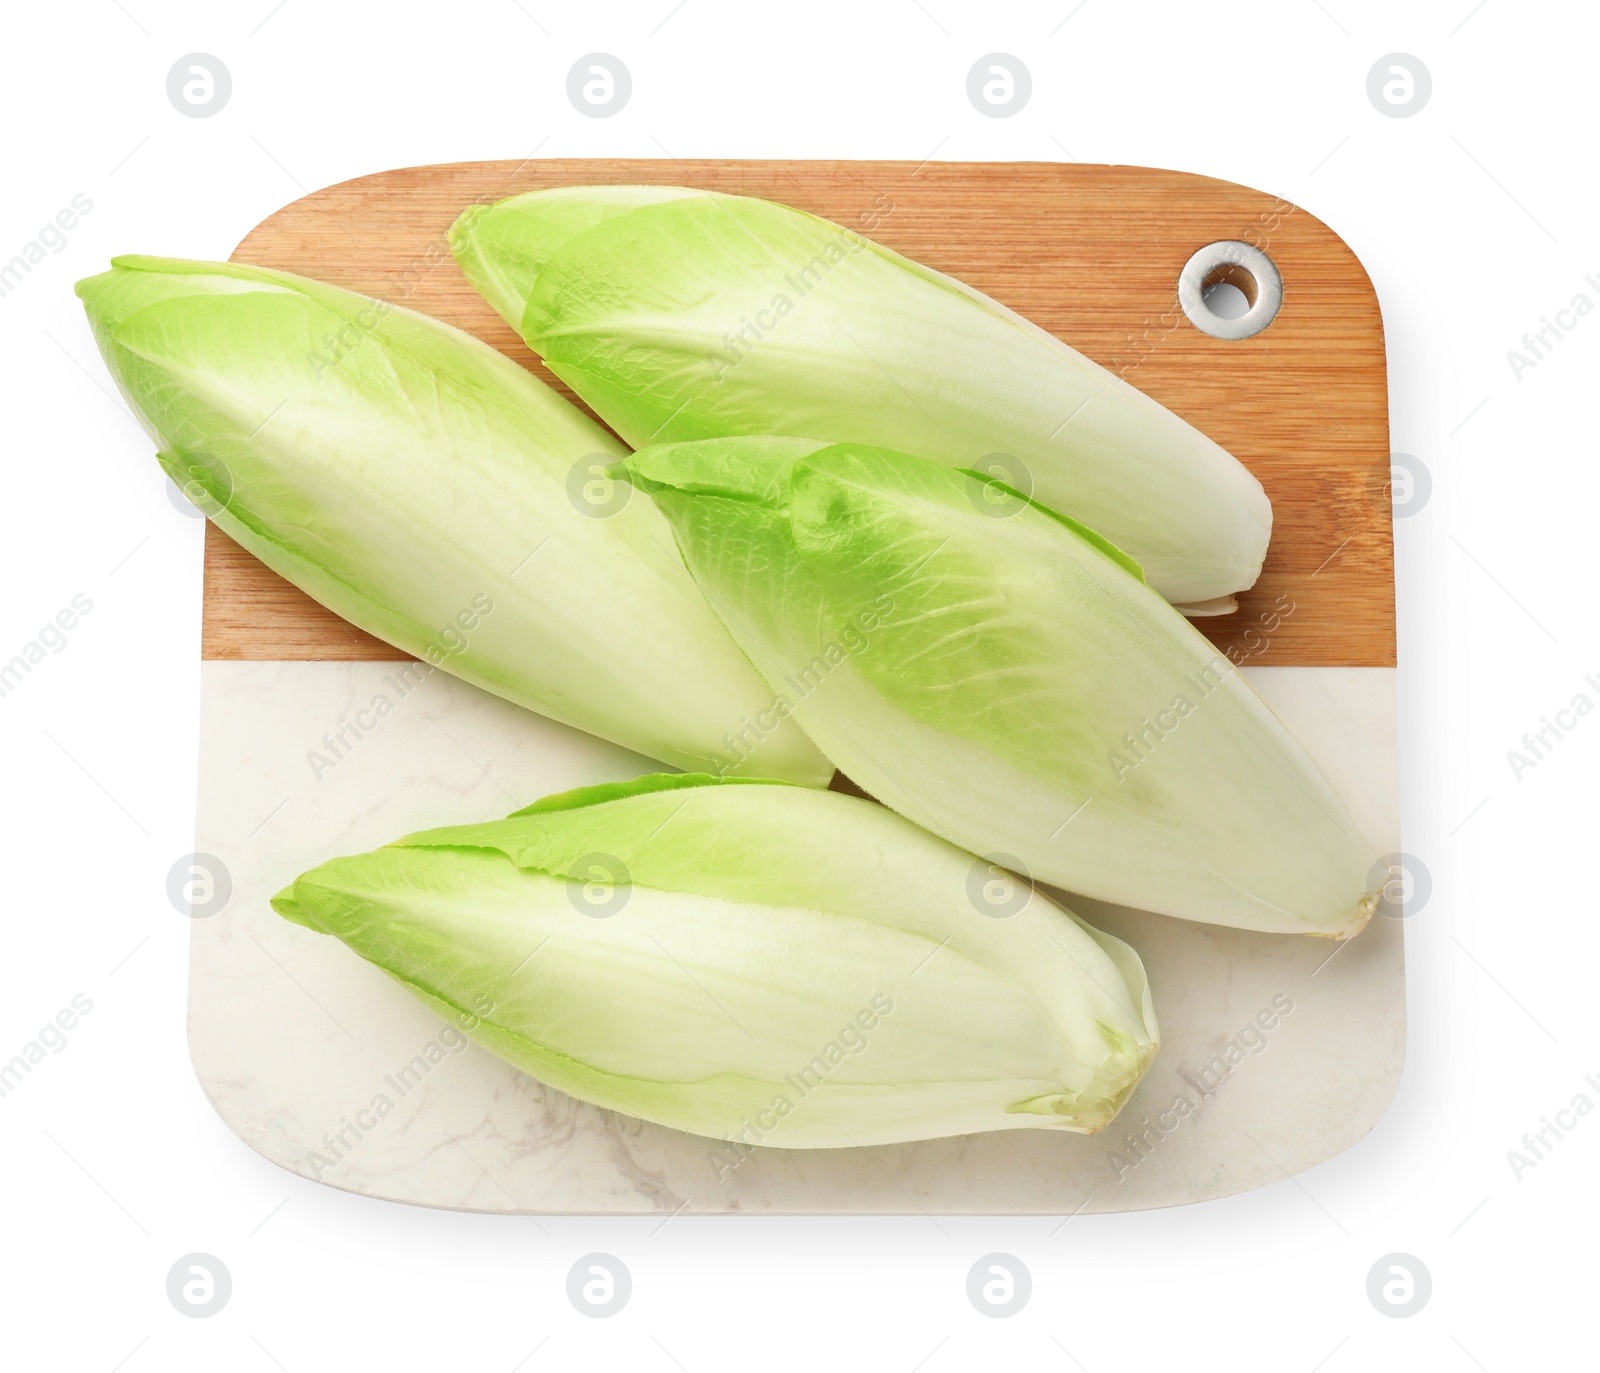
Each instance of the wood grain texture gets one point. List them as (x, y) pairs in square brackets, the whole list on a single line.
[(1091, 253)]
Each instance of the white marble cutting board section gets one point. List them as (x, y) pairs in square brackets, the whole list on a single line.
[(301, 1046)]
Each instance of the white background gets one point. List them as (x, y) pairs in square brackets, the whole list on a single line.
[(1476, 217)]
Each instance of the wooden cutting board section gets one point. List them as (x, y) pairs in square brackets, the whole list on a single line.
[(1091, 253)]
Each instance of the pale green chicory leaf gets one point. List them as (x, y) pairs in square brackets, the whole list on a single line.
[(431, 491), (681, 315), (759, 963), (1010, 683)]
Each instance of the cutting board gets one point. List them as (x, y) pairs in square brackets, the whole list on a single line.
[(1277, 1052)]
